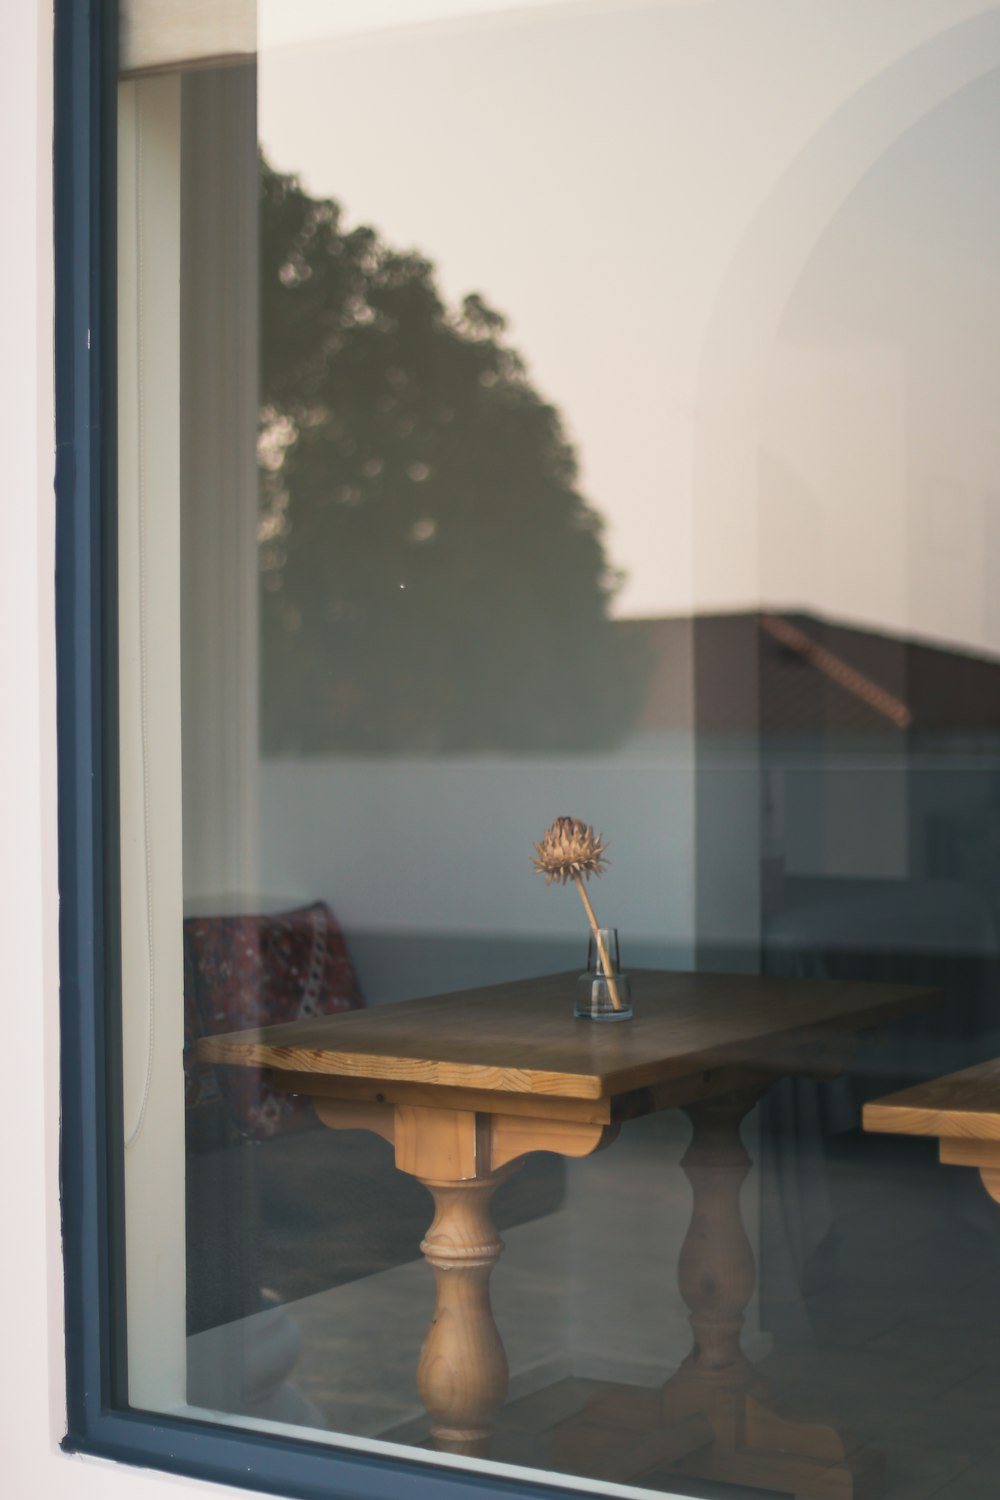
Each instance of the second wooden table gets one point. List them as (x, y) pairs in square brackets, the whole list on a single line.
[(962, 1110)]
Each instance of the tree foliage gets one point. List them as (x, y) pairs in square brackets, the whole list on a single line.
[(432, 579)]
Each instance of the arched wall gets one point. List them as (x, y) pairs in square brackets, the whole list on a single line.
[(727, 467), (761, 277)]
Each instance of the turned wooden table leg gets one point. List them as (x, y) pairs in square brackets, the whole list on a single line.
[(462, 1157), (753, 1442), (713, 1418), (627, 1430), (462, 1374), (716, 1272)]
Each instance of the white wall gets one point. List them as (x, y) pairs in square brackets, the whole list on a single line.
[(32, 1395), (444, 846), (717, 141)]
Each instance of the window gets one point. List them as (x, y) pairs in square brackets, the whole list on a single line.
[(517, 413)]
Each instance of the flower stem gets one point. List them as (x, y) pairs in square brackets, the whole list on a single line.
[(601, 946)]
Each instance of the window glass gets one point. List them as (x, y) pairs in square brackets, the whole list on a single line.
[(560, 689)]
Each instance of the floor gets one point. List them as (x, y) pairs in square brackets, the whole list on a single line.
[(897, 1339)]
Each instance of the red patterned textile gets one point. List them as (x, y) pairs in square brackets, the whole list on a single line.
[(258, 971)]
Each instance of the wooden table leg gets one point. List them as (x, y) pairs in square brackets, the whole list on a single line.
[(462, 1374), (461, 1157), (713, 1418), (716, 1273)]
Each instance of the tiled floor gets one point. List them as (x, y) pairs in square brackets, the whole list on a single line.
[(904, 1347), (897, 1341), (904, 1307)]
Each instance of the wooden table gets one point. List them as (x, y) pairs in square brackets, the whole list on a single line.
[(962, 1110), (466, 1085)]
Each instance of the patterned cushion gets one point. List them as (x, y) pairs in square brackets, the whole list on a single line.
[(249, 971)]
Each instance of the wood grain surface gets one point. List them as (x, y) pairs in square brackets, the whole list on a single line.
[(522, 1038), (959, 1106)]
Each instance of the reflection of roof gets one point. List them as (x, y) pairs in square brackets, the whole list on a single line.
[(834, 667), (799, 673)]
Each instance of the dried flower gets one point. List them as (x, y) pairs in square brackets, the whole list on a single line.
[(569, 849)]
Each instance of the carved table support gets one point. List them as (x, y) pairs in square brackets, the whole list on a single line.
[(712, 1419), (716, 1272), (462, 1374), (751, 1442), (461, 1157)]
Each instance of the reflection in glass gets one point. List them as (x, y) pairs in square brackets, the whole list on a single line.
[(632, 459), (433, 580)]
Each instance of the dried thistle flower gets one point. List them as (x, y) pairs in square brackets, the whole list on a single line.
[(569, 849)]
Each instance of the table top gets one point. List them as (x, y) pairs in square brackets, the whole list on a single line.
[(960, 1106), (522, 1039)]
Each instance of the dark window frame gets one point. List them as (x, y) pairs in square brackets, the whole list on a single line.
[(99, 1421)]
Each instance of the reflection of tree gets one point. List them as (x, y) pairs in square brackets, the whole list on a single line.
[(432, 579)]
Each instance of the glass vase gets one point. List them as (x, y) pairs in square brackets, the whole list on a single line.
[(602, 994)]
